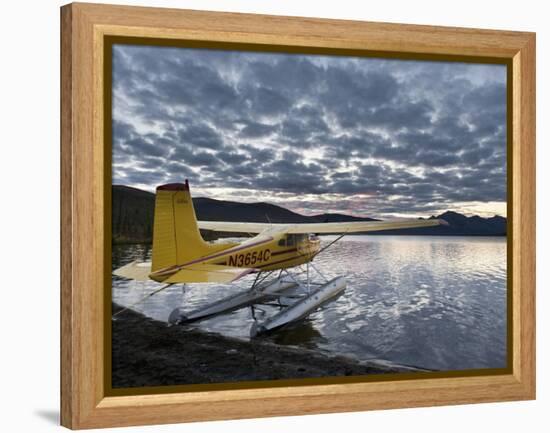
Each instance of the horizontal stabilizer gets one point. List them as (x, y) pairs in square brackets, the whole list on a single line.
[(134, 271), (204, 273)]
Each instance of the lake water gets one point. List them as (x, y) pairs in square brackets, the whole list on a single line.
[(432, 302)]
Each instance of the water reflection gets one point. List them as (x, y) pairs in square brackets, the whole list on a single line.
[(434, 302)]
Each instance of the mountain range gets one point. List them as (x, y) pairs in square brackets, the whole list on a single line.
[(133, 210)]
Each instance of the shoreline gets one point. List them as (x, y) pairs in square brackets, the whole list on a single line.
[(148, 352)]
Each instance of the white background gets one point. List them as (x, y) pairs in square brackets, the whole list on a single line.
[(29, 100)]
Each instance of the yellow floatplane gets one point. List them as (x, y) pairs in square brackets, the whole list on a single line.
[(181, 256)]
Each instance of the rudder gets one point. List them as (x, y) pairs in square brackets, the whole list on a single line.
[(176, 236)]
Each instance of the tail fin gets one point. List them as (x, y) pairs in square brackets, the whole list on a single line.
[(176, 236)]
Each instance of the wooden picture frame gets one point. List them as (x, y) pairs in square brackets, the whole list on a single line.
[(85, 402)]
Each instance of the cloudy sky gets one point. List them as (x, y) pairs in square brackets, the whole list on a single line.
[(363, 136)]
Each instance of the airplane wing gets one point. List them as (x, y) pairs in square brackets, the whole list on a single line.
[(363, 226), (224, 226), (203, 273), (336, 227)]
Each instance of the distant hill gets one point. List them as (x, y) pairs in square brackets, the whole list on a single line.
[(459, 225), (133, 211), (132, 214), (208, 209)]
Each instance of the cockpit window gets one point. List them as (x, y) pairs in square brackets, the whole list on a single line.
[(295, 239)]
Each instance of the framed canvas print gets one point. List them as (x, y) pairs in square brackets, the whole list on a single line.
[(269, 216)]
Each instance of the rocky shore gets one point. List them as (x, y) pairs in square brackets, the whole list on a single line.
[(146, 352)]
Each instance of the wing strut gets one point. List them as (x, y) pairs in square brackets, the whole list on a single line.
[(333, 242)]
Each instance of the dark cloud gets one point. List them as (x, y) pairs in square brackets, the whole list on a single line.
[(232, 158), (267, 102), (412, 136), (200, 135), (256, 130)]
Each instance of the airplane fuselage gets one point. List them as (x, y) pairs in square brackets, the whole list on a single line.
[(283, 251), (263, 253)]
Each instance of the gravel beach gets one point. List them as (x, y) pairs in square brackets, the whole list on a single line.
[(147, 352)]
